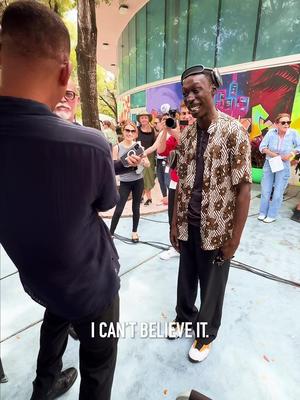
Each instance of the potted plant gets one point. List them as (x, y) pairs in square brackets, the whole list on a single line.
[(257, 159)]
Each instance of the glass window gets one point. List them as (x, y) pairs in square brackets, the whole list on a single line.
[(125, 44), (203, 17), (176, 30), (141, 47), (237, 31), (279, 29), (132, 54), (155, 40), (138, 99)]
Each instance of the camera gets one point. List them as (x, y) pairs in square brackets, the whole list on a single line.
[(135, 150), (171, 120)]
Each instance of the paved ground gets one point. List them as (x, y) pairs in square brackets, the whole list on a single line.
[(154, 208), (256, 355)]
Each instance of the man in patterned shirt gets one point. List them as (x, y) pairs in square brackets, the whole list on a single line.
[(211, 206)]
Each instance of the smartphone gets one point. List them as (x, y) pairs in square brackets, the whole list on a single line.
[(183, 122), (135, 150)]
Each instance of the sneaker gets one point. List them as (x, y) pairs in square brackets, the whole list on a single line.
[(261, 217), (176, 330), (184, 396), (166, 255), (198, 352), (268, 220)]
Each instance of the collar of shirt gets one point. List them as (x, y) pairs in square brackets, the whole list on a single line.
[(16, 105)]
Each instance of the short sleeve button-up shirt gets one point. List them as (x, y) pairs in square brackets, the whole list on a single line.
[(227, 163)]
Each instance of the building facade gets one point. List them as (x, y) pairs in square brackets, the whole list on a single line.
[(254, 43)]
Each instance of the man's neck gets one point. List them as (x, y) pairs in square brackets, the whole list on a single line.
[(205, 121)]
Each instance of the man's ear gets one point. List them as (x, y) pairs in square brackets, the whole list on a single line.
[(65, 73), (213, 90)]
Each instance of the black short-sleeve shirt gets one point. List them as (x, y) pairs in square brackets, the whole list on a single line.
[(194, 208), (55, 177)]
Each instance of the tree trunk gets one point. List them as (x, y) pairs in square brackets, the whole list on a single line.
[(86, 59)]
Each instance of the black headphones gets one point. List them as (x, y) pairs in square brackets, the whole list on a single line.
[(200, 69)]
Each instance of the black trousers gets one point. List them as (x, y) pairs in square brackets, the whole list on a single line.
[(137, 188), (197, 266), (97, 356), (171, 201), (161, 176)]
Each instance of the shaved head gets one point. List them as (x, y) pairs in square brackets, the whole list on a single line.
[(31, 30)]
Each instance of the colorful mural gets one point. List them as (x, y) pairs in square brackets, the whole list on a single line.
[(254, 97)]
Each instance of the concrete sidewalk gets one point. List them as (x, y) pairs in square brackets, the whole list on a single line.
[(256, 354)]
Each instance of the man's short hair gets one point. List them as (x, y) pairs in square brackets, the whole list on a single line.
[(30, 29)]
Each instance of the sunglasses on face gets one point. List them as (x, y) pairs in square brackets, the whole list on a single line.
[(70, 95), (129, 130), (285, 122)]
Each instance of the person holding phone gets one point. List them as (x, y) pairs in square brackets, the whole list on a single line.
[(279, 141), (132, 182)]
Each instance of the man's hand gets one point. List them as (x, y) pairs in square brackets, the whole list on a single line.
[(174, 237), (133, 161), (228, 249)]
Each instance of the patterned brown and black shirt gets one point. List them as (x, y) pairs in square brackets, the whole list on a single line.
[(227, 163)]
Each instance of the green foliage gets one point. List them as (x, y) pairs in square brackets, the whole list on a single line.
[(72, 28), (106, 87), (60, 6)]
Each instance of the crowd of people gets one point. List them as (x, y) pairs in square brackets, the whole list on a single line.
[(63, 250)]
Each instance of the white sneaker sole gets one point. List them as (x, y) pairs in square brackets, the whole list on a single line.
[(196, 356)]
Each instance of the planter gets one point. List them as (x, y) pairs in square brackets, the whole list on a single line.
[(257, 174)]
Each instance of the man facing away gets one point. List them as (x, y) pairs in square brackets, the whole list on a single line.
[(55, 177), (211, 206)]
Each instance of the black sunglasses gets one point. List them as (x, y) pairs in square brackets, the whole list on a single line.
[(129, 130), (285, 122), (70, 95)]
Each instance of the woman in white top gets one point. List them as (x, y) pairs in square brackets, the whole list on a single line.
[(284, 143)]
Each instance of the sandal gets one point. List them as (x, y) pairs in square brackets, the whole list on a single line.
[(135, 237), (147, 202)]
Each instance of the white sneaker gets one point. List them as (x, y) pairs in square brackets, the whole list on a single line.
[(199, 353), (268, 220), (166, 255), (261, 217), (184, 396)]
